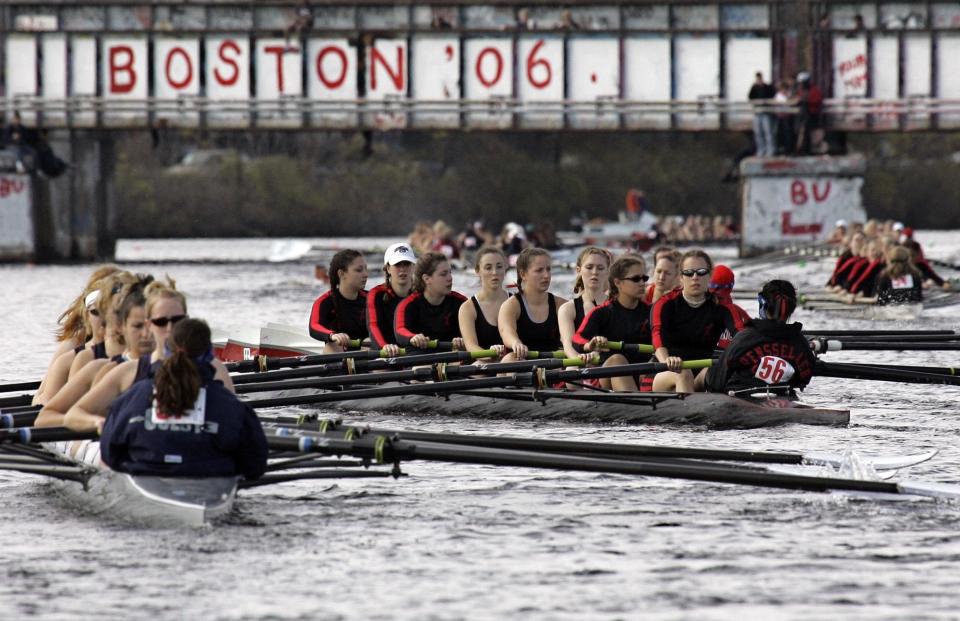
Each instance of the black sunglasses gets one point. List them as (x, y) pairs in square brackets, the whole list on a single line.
[(638, 278), (161, 322), (702, 271)]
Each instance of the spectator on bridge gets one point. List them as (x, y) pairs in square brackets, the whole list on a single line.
[(302, 22), (17, 137), (810, 120), (760, 94), (784, 121)]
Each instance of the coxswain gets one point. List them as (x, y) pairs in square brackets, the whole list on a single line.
[(431, 311), (383, 299), (768, 351), (478, 315), (528, 320), (721, 285), (128, 323), (625, 317), (686, 324), (589, 291), (339, 315), (182, 421), (930, 276), (901, 282), (666, 274)]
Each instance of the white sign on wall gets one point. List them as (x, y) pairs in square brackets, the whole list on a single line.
[(279, 83), (123, 75), (332, 76), (594, 75), (227, 77), (540, 78), (176, 75), (387, 78), (488, 64), (437, 78), (16, 217), (21, 71)]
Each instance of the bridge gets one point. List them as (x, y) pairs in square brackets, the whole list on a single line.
[(617, 65), (88, 71)]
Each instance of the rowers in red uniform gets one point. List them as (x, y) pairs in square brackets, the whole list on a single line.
[(339, 315), (382, 300), (431, 311)]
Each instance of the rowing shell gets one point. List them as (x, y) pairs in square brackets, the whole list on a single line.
[(157, 501), (712, 410)]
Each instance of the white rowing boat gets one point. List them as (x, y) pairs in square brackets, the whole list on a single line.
[(160, 501)]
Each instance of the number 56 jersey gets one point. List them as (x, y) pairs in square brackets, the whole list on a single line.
[(765, 353)]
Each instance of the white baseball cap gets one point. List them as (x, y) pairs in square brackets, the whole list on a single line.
[(841, 222), (898, 226), (398, 253)]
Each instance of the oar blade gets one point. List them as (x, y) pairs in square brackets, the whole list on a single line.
[(930, 489), (886, 462)]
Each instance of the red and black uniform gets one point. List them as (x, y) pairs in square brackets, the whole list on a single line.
[(927, 271), (382, 303), (578, 313), (617, 323), (487, 335), (544, 336), (334, 314), (845, 256), (765, 348), (727, 337), (848, 272), (688, 332), (415, 315), (866, 282), (907, 289)]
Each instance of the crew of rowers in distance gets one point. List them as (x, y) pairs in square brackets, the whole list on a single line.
[(684, 313), (134, 367), (881, 263)]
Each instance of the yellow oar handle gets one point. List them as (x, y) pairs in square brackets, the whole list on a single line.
[(547, 354), (354, 343), (484, 353), (697, 364), (401, 352), (640, 347), (578, 362)]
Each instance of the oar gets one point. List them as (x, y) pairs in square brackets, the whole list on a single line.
[(385, 450), (18, 386), (876, 333), (866, 372), (894, 339), (16, 401), (28, 435), (263, 363), (355, 366), (903, 368), (333, 428), (18, 419), (435, 373), (824, 345), (540, 378), (630, 347)]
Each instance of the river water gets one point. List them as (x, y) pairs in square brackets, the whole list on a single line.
[(456, 541)]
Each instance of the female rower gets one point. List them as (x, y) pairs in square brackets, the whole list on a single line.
[(430, 312), (181, 422), (589, 289), (528, 320), (901, 282), (864, 288), (847, 258), (165, 308), (768, 351), (666, 275), (128, 322), (624, 317), (687, 323), (338, 316), (475, 315), (383, 299)]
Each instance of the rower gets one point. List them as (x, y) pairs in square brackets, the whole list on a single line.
[(625, 317), (430, 312), (768, 351), (182, 422), (666, 274), (847, 258), (864, 288), (129, 325), (383, 299), (338, 316), (721, 285), (477, 316), (528, 320), (844, 275), (589, 291), (901, 282), (687, 323)]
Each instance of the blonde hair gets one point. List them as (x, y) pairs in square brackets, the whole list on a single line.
[(73, 321), (586, 252), (159, 290)]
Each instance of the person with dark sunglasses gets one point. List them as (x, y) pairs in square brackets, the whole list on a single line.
[(686, 324), (625, 317)]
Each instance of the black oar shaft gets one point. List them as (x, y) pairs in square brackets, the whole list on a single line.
[(299, 361), (878, 333), (18, 400), (851, 371), (18, 419), (19, 386), (378, 364)]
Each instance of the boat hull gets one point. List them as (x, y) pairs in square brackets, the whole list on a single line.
[(714, 410), (156, 501)]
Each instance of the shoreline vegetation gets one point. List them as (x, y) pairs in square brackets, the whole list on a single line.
[(281, 184)]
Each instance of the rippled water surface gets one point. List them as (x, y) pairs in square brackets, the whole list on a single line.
[(459, 541)]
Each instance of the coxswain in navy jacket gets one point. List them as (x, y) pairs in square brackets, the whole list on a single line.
[(765, 352), (227, 441)]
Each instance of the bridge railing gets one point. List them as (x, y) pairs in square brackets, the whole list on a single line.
[(707, 114)]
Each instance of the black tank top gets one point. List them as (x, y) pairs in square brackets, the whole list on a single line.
[(77, 350), (578, 313), (539, 336), (487, 335), (144, 368), (99, 351)]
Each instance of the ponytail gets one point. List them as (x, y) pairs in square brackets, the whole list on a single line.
[(177, 382), (426, 266), (778, 300), (586, 252), (524, 260)]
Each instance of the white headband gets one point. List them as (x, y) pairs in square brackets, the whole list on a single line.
[(92, 298)]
